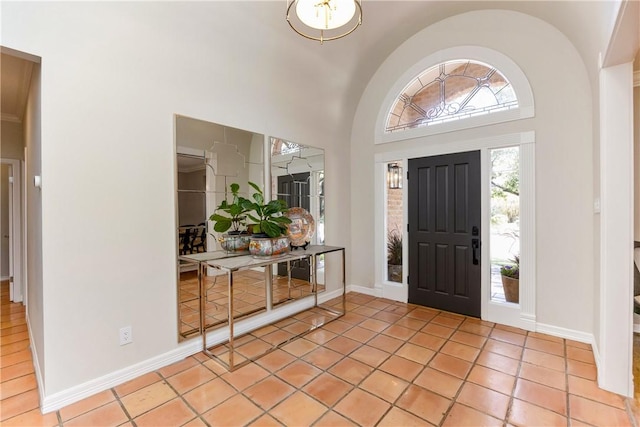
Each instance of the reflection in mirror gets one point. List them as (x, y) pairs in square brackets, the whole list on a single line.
[(209, 158), (297, 177)]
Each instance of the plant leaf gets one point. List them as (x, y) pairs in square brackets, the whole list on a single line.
[(222, 225)]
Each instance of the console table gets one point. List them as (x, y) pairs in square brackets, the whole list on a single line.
[(232, 263)]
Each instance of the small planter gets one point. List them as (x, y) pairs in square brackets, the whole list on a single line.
[(268, 246), (234, 243), (394, 273), (511, 289)]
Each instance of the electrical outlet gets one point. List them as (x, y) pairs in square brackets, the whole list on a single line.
[(125, 335)]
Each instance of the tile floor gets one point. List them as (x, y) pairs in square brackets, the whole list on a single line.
[(384, 363)]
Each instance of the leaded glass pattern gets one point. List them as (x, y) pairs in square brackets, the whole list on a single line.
[(452, 90)]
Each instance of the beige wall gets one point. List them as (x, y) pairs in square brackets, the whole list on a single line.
[(636, 163), (563, 152)]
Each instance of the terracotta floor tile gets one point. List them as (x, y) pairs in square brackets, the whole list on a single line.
[(269, 392), (18, 385), (208, 395), (353, 318), (374, 325), (438, 330), (545, 346), (384, 386), (362, 408), (590, 390), (596, 413), (237, 410), (385, 343), (545, 337), (322, 358), (369, 355), (424, 314), (492, 379), (245, 376), (582, 369), (343, 345), (300, 347), (275, 360), (110, 414), (504, 349), (448, 321), (177, 367), (137, 383), (580, 354), (461, 415), (511, 329), (424, 404), (508, 336), (147, 398), (333, 419), (498, 362), (397, 417), (265, 421), (461, 351), (542, 375), (321, 335), (547, 360), (85, 405), (411, 323), (359, 334), (542, 395), (401, 367), (327, 388), (19, 404), (35, 418), (484, 400), (351, 370), (298, 373), (190, 378), (17, 370), (415, 353), (337, 326), (429, 341), (172, 413), (298, 410), (582, 345), (527, 414), (253, 349), (475, 328), (439, 382), (399, 332), (450, 365), (387, 316), (468, 338)]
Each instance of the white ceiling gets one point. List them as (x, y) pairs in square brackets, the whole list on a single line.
[(352, 61)]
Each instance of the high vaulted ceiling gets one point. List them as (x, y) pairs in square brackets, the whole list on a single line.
[(352, 61)]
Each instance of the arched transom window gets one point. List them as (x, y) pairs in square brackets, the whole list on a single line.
[(452, 90)]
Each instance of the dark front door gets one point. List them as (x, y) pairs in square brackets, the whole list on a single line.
[(294, 189), (444, 232)]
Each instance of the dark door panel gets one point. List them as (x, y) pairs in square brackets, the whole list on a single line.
[(444, 218)]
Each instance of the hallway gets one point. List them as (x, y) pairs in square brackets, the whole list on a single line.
[(384, 363)]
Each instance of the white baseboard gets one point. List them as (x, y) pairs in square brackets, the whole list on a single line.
[(584, 337), (81, 391), (374, 292), (36, 363)]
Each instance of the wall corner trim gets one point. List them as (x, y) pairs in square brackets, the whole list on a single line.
[(636, 78)]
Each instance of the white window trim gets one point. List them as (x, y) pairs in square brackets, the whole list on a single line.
[(522, 315), (503, 63)]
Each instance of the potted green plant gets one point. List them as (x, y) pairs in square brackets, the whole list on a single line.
[(511, 280), (394, 257), (232, 216), (269, 224)]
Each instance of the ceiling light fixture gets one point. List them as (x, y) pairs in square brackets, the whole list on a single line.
[(329, 19)]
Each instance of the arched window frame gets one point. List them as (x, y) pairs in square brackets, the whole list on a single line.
[(501, 62)]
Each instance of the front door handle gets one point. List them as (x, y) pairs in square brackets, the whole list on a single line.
[(475, 246)]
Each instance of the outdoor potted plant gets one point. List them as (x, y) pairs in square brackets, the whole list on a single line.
[(232, 216), (394, 257), (511, 280), (269, 225)]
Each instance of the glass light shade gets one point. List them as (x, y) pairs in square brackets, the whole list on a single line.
[(325, 14)]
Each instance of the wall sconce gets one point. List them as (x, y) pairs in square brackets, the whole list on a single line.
[(394, 176)]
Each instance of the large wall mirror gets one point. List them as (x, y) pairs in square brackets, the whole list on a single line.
[(210, 157)]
